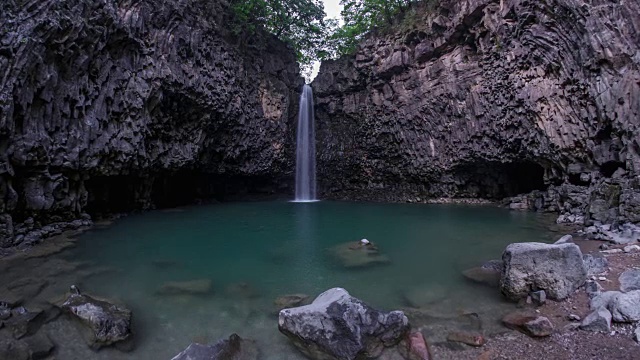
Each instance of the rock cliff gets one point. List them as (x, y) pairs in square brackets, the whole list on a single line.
[(113, 105), (488, 98)]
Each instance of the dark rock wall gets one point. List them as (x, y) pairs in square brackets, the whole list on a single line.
[(112, 105), (487, 98)]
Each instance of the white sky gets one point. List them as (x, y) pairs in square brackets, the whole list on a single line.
[(332, 8)]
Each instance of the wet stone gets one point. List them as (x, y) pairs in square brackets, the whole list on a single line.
[(292, 300)]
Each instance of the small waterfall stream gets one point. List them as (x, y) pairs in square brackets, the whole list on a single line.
[(306, 149)]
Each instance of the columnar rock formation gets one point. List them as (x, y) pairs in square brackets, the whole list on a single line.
[(487, 98), (109, 105)]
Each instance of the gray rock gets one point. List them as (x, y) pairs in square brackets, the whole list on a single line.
[(598, 320), (595, 265), (592, 288), (337, 325), (233, 348), (624, 307), (636, 334), (557, 269), (104, 323), (629, 280), (573, 317), (631, 248), (539, 297)]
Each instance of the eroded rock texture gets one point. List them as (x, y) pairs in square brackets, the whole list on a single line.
[(113, 105), (487, 98)]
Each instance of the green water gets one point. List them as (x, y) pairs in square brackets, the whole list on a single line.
[(281, 248)]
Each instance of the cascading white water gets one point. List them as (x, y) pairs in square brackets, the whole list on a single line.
[(306, 149)]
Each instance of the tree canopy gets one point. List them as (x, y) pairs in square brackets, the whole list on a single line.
[(301, 23)]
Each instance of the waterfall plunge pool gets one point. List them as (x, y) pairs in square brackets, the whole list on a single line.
[(254, 252)]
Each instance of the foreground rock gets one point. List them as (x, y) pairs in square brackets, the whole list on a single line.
[(530, 324), (556, 269), (104, 323), (595, 265), (233, 348), (337, 325)]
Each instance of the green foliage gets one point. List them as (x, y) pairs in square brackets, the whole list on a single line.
[(297, 22), (363, 16)]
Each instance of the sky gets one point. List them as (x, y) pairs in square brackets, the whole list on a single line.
[(332, 8)]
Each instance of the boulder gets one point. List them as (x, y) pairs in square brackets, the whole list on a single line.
[(530, 324), (233, 348), (624, 307), (595, 265), (557, 269), (191, 287), (599, 320), (337, 325), (630, 280), (104, 322)]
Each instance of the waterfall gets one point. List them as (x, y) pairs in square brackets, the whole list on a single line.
[(306, 149)]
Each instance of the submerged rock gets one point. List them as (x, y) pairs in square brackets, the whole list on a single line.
[(39, 345), (233, 348), (557, 269), (104, 323), (241, 290), (421, 296), (293, 300), (489, 273), (191, 287), (337, 325), (356, 254)]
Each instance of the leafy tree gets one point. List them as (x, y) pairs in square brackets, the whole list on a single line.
[(297, 22)]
